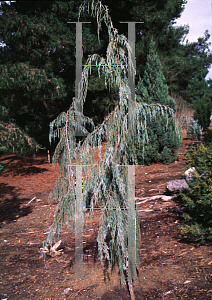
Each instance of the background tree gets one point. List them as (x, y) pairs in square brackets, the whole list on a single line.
[(14, 140), (163, 138), (30, 96), (185, 66), (37, 36), (181, 63), (40, 47), (202, 112)]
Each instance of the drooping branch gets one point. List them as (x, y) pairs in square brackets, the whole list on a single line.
[(107, 185), (15, 139)]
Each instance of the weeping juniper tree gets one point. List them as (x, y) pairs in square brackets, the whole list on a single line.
[(105, 183)]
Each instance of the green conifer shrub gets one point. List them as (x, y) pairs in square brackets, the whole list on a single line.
[(203, 111), (198, 200), (163, 141), (163, 137)]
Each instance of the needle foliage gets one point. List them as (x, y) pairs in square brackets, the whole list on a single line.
[(105, 183)]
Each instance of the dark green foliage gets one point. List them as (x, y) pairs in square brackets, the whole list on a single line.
[(208, 136), (203, 111), (185, 66), (14, 140), (163, 139), (3, 150), (100, 102), (30, 96), (37, 36), (198, 199), (38, 64)]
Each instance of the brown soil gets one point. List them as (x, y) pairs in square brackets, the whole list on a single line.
[(170, 267)]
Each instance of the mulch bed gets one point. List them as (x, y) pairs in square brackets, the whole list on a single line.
[(170, 267)]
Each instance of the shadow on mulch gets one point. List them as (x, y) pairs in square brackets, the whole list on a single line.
[(23, 166), (10, 209), (24, 170), (122, 294)]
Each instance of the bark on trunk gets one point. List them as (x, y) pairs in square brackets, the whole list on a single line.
[(132, 295)]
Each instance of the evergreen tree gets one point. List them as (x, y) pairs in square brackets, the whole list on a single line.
[(37, 35), (14, 140), (30, 94), (37, 62), (181, 63), (107, 184), (203, 111), (153, 88), (194, 130), (163, 139), (185, 66)]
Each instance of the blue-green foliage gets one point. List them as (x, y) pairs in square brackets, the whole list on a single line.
[(107, 184), (194, 130), (208, 136), (163, 141), (163, 138)]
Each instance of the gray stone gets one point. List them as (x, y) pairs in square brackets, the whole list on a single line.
[(189, 174), (177, 185)]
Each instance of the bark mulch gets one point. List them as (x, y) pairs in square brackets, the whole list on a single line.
[(170, 267)]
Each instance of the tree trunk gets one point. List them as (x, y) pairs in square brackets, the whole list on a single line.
[(132, 296)]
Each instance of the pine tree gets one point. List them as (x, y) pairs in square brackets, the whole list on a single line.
[(15, 140), (185, 65), (12, 138), (37, 34), (163, 139), (107, 182), (37, 62)]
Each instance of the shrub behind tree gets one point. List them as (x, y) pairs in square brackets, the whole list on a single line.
[(164, 140), (203, 111)]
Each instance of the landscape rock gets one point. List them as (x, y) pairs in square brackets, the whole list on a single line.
[(177, 185), (189, 173)]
